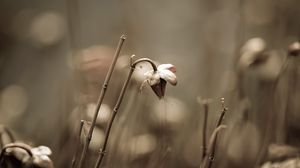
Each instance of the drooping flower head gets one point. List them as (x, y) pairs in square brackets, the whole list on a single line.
[(27, 156), (294, 49), (158, 79)]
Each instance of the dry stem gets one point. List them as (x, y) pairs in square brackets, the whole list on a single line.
[(209, 158), (117, 106), (100, 99)]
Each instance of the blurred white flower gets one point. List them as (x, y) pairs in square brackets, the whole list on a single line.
[(294, 49), (93, 62), (47, 28), (172, 112), (98, 136), (13, 103), (256, 60), (41, 150), (97, 140), (288, 163), (278, 152), (41, 157), (141, 145), (252, 53), (158, 79), (104, 112), (255, 44)]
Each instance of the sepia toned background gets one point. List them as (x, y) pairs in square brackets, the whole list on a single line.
[(54, 56)]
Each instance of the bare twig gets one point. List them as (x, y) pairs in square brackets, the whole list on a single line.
[(204, 103), (212, 153), (209, 158), (77, 145), (204, 130), (117, 105), (224, 109), (100, 99)]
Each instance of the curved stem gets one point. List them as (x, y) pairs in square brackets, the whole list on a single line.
[(209, 158), (100, 100), (15, 145), (133, 65), (219, 122), (117, 106), (204, 130), (8, 132)]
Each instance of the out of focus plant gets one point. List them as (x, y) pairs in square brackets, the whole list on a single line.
[(21, 155), (208, 155), (157, 79), (294, 49), (100, 100), (5, 134)]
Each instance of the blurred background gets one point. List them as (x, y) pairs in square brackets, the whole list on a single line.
[(54, 56)]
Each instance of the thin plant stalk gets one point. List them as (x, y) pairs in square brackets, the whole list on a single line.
[(77, 146), (15, 145), (219, 122), (205, 105), (208, 158), (5, 130), (117, 106), (224, 109), (100, 100)]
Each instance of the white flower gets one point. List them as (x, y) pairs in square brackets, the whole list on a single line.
[(167, 73), (41, 157), (253, 53), (158, 79)]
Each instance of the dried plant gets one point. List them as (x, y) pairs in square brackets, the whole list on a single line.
[(22, 155), (156, 79), (209, 157), (100, 100), (205, 104)]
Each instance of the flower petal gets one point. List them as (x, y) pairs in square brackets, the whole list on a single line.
[(170, 67), (168, 76), (41, 150)]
